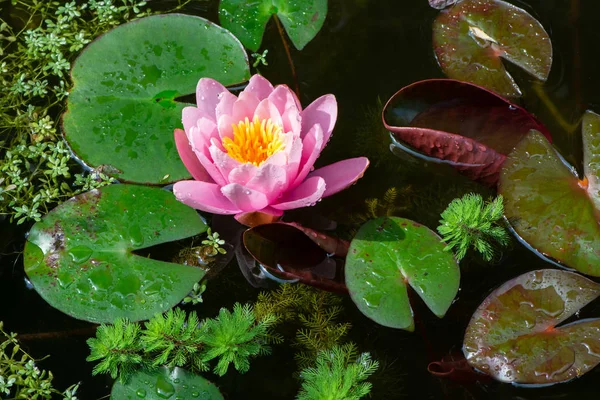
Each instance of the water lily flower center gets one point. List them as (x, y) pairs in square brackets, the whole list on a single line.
[(254, 141)]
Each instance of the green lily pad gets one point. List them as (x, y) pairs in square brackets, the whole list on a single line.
[(79, 256), (302, 19), (549, 207), (122, 109), (513, 337), (472, 37), (165, 384), (387, 255)]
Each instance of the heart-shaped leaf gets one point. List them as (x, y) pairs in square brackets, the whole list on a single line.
[(165, 384), (548, 206), (295, 252), (472, 37), (513, 336), (458, 123), (302, 19), (387, 255), (122, 111), (79, 256)]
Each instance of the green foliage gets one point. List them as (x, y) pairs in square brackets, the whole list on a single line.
[(20, 378), (470, 222), (234, 337), (195, 296), (338, 374), (175, 339), (35, 168), (214, 242), (119, 348), (313, 312)]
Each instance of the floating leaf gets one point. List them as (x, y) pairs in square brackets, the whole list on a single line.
[(387, 255), (79, 257), (122, 109), (295, 252), (472, 37), (165, 384), (458, 123), (513, 336), (548, 206), (302, 19)]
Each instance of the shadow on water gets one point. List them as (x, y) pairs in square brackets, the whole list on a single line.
[(366, 51)]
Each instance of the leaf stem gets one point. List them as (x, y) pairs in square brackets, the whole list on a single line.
[(288, 53)]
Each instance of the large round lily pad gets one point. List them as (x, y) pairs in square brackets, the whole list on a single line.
[(79, 256), (513, 336), (165, 384), (389, 254), (472, 37), (121, 111), (549, 207), (302, 19)]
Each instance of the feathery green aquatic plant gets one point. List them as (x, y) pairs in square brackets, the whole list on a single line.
[(470, 222), (36, 170), (338, 374), (177, 339), (20, 378)]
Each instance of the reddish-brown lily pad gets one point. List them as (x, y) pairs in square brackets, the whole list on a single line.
[(294, 252), (471, 38), (458, 123), (513, 335)]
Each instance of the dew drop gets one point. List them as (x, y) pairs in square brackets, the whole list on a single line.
[(164, 389), (141, 393)]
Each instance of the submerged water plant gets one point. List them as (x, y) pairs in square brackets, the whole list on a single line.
[(338, 374), (256, 151), (469, 222)]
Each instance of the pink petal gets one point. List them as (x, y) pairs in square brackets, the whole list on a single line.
[(224, 163), (200, 148), (322, 111), (244, 198), (226, 126), (190, 117), (201, 134), (242, 174), (244, 107), (204, 196), (225, 106), (266, 110), (312, 144), (269, 179), (294, 157), (259, 86), (188, 157), (306, 194), (208, 94), (287, 105), (341, 174)]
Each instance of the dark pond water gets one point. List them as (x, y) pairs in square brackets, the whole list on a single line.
[(367, 50)]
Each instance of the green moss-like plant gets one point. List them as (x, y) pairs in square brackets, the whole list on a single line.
[(469, 222), (338, 374), (177, 339), (20, 378)]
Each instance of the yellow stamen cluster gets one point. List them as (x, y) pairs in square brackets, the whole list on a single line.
[(254, 141)]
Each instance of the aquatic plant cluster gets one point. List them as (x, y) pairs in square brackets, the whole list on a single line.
[(241, 160)]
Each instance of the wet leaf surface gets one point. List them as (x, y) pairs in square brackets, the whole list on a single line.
[(294, 252), (79, 257), (389, 254), (471, 38), (458, 123), (122, 111), (441, 4), (513, 337), (302, 19), (548, 206), (165, 384)]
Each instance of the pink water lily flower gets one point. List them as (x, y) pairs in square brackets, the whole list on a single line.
[(256, 151)]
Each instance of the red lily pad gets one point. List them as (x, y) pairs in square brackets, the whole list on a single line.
[(294, 252), (458, 123), (513, 337), (549, 207), (471, 38)]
